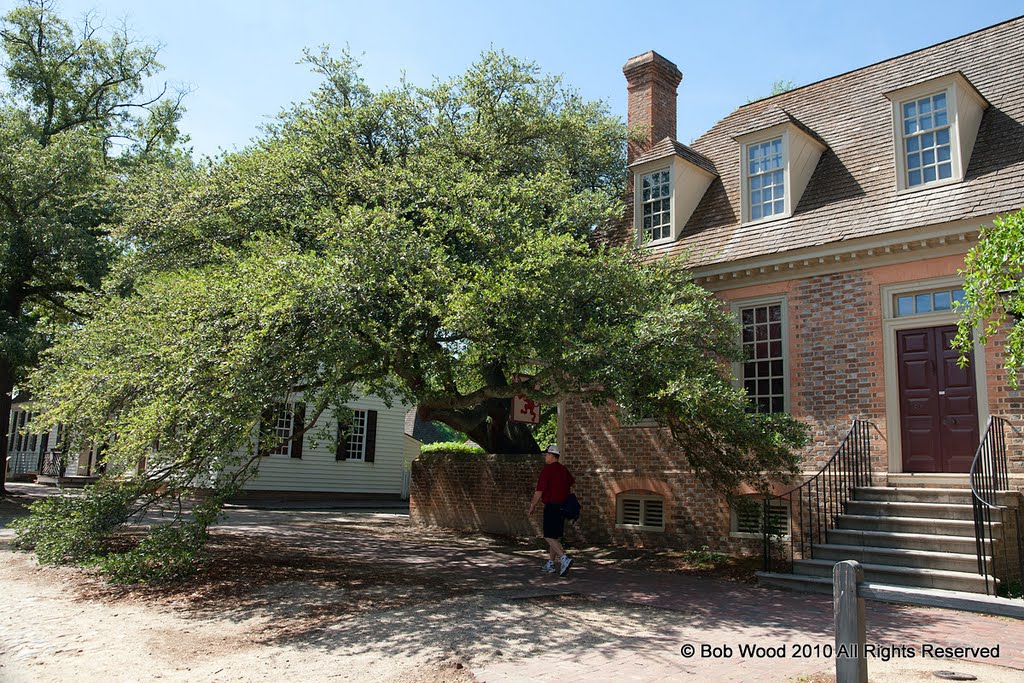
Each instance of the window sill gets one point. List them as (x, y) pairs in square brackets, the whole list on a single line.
[(742, 534), (928, 186), (638, 527), (769, 219), (658, 243)]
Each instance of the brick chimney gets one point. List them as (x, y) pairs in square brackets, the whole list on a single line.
[(651, 81)]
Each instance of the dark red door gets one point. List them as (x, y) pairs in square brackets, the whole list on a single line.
[(938, 402)]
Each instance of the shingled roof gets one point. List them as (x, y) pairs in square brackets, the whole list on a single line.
[(852, 192), (667, 147)]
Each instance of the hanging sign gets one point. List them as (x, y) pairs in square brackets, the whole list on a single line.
[(525, 409)]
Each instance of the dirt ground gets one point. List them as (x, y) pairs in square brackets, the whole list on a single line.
[(351, 596)]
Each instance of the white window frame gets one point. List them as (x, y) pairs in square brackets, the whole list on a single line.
[(641, 202), (644, 500), (962, 125), (780, 505), (781, 301), (749, 177), (901, 150), (754, 140), (355, 440), (283, 412)]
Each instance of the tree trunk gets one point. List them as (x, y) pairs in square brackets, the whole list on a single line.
[(6, 387), (488, 426)]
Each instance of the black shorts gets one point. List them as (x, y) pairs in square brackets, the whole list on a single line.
[(554, 522)]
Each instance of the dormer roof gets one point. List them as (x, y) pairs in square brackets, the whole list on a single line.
[(668, 147), (852, 192)]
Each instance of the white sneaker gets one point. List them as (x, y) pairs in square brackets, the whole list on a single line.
[(564, 564), (549, 566)]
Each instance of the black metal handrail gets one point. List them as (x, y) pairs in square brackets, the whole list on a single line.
[(814, 505), (989, 476)]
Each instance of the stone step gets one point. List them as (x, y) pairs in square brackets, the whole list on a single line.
[(909, 541), (926, 495), (907, 595), (902, 557), (887, 508), (902, 576), (911, 525)]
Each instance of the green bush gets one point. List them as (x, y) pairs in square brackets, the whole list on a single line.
[(167, 553), (454, 447), (89, 530), (73, 528)]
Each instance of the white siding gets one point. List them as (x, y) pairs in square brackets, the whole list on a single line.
[(317, 469)]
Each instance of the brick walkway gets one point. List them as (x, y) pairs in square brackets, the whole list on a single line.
[(710, 613), (715, 618), (720, 615)]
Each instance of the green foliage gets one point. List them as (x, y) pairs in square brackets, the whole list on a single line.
[(992, 291), (75, 125), (89, 529), (436, 245), (704, 558), (448, 433), (453, 447), (546, 432), (73, 527)]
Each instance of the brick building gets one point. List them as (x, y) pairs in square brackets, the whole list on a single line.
[(832, 219)]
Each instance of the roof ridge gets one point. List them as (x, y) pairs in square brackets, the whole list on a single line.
[(882, 61)]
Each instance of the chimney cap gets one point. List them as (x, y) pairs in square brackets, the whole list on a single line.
[(651, 60)]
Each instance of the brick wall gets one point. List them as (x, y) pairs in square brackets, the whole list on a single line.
[(609, 459), (835, 347), (480, 492)]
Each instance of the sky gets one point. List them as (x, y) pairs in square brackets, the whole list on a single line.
[(239, 57)]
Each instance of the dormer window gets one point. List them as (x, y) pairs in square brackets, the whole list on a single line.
[(776, 163), (766, 182), (668, 182), (926, 140), (935, 125), (657, 205)]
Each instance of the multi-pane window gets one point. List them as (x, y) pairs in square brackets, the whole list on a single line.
[(763, 369), (766, 184), (656, 203), (355, 436), (642, 512), (928, 302), (283, 425), (749, 518), (926, 147)]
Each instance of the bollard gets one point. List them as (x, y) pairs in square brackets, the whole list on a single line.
[(848, 609)]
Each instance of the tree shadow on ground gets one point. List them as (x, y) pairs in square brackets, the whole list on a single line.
[(364, 584)]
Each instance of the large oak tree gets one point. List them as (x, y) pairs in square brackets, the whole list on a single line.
[(436, 245)]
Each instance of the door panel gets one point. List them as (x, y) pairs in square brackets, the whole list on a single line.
[(938, 402)]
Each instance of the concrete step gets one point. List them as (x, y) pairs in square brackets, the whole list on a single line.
[(901, 557), (909, 541), (908, 494), (894, 508), (914, 495), (907, 595), (911, 525), (902, 576)]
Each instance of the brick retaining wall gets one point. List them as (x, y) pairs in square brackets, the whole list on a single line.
[(488, 493)]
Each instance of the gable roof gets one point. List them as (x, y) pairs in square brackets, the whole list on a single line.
[(667, 147), (852, 192)]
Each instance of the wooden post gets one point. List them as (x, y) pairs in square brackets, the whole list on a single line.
[(848, 609)]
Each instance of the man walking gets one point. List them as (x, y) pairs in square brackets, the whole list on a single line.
[(553, 487)]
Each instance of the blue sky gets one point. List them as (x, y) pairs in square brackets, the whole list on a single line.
[(239, 57)]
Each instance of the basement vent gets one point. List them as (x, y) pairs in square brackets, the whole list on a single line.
[(747, 519), (641, 512)]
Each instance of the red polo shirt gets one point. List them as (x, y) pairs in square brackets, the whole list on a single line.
[(554, 483)]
